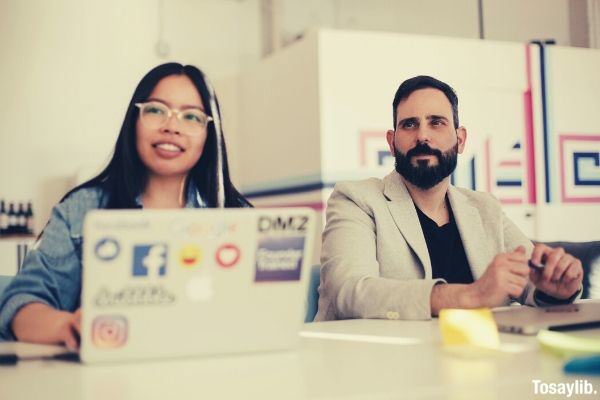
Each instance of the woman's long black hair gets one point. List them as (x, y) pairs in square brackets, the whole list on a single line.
[(125, 176)]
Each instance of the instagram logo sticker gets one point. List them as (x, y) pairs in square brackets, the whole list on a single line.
[(109, 331)]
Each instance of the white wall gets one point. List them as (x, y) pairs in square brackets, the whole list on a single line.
[(573, 101), (428, 17), (279, 111), (523, 20), (69, 68), (510, 20)]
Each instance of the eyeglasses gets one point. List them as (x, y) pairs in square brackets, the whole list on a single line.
[(155, 115)]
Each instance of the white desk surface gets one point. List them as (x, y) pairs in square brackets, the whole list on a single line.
[(372, 359)]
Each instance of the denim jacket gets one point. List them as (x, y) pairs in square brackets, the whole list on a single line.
[(51, 271)]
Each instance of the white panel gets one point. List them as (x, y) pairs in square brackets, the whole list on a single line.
[(572, 223), (573, 146), (279, 116)]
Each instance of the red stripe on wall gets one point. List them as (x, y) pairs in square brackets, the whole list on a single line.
[(529, 152)]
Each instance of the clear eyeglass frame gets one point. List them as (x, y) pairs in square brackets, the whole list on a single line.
[(190, 126)]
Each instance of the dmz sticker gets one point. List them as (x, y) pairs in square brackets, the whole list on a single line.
[(279, 259), (107, 249), (150, 260), (109, 331)]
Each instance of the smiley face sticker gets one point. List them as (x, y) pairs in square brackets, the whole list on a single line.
[(227, 255), (189, 256)]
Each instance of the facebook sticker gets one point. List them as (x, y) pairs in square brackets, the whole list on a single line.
[(279, 259), (150, 260)]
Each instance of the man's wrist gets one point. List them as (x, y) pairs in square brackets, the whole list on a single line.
[(454, 296), (470, 296), (542, 298)]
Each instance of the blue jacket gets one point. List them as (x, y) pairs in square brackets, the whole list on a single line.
[(51, 271)]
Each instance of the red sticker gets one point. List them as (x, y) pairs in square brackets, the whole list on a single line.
[(227, 255)]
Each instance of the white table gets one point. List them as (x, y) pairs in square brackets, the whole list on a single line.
[(372, 359)]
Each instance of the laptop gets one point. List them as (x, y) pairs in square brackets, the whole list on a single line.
[(530, 320), (182, 283)]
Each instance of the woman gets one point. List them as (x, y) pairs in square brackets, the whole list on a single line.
[(169, 154)]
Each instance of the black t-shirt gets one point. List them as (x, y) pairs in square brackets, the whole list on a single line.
[(446, 251)]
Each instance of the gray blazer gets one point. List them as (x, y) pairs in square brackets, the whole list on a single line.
[(375, 262)]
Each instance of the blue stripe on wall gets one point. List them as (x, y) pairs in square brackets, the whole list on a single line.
[(508, 183), (473, 176), (544, 119), (595, 158)]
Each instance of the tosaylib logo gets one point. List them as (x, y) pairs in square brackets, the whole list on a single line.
[(279, 259), (568, 389), (134, 296), (150, 260), (107, 249)]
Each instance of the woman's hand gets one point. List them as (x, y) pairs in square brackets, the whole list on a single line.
[(39, 323)]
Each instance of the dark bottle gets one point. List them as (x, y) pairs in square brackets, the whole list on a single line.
[(3, 219), (12, 219), (21, 220), (29, 219)]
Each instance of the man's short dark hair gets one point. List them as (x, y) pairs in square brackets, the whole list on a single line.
[(423, 82)]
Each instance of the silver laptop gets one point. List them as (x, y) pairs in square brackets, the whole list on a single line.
[(530, 320), (172, 283)]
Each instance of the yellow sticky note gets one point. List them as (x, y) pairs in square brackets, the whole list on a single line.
[(476, 328)]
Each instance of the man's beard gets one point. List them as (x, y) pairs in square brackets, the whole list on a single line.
[(422, 175)]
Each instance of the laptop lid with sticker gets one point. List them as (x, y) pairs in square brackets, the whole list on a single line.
[(172, 283)]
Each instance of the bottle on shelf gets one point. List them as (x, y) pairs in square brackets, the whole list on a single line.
[(29, 218), (12, 219), (3, 218), (21, 220)]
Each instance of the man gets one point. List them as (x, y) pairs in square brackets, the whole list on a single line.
[(409, 245)]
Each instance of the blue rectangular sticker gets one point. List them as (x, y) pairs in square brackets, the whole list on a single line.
[(279, 258)]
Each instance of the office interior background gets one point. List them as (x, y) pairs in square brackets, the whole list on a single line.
[(306, 90)]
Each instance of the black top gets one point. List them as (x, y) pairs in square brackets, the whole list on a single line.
[(446, 251)]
